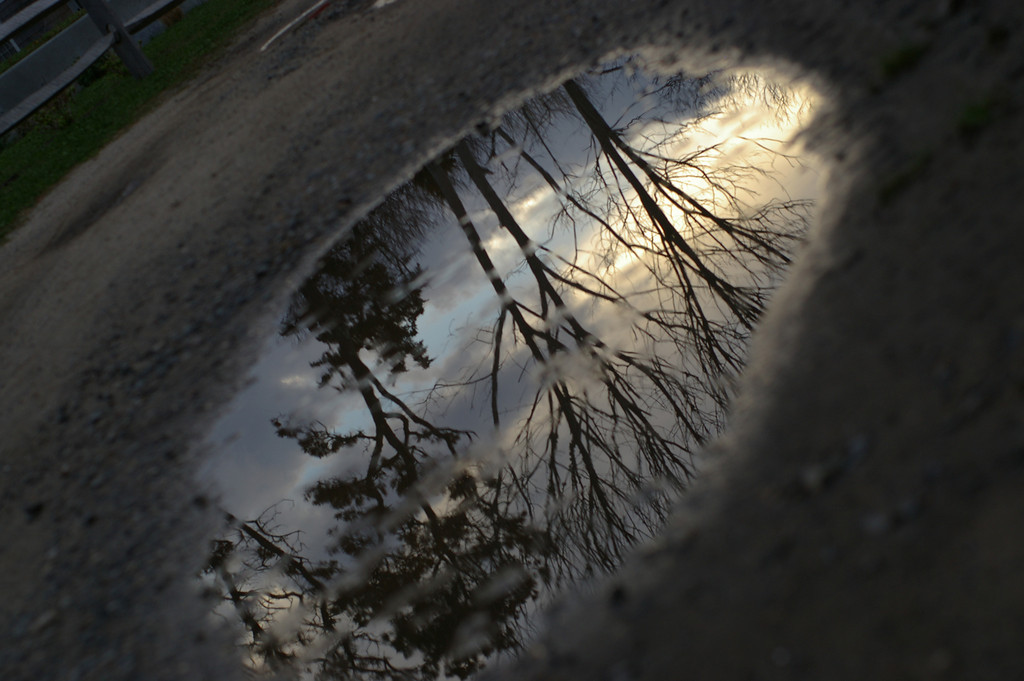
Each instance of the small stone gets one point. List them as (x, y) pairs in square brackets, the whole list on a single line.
[(41, 622), (812, 479), (781, 657), (875, 523), (33, 511), (857, 447), (908, 510), (938, 662)]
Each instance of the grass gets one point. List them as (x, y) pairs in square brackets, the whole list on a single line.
[(904, 59), (976, 116), (897, 183), (77, 124)]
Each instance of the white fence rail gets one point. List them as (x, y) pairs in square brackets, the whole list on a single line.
[(53, 66)]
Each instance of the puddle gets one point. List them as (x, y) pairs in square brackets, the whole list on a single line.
[(496, 383)]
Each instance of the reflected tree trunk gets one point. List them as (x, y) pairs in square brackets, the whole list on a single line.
[(602, 441)]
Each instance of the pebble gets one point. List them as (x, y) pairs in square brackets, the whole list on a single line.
[(41, 622), (875, 523)]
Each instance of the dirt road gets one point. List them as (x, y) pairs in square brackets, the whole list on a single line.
[(863, 520)]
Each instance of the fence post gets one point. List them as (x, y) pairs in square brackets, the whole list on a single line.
[(127, 49)]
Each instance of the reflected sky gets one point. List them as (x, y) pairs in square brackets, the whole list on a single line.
[(496, 382)]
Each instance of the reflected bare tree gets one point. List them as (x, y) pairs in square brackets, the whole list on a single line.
[(437, 557), (443, 580)]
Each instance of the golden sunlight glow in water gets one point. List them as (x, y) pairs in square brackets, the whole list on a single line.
[(471, 411)]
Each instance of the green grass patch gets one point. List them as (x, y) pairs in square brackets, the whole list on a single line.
[(900, 181), (77, 124), (904, 59), (977, 116)]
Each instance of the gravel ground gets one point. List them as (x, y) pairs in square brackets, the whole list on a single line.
[(863, 515)]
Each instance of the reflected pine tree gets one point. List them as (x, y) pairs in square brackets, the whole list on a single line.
[(438, 557)]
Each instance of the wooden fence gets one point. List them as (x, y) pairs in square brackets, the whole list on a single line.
[(114, 33)]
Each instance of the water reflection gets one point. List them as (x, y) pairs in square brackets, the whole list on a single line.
[(511, 362)]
